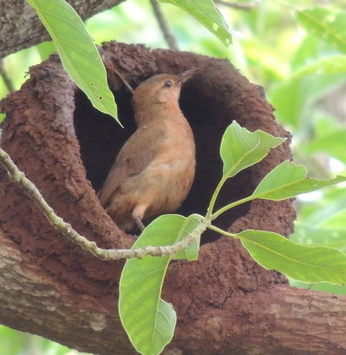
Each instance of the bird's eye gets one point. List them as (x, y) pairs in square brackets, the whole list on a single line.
[(167, 84)]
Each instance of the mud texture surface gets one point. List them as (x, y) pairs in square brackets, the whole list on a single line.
[(66, 148)]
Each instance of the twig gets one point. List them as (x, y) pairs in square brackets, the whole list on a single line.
[(238, 6), (169, 38), (124, 81), (65, 228), (8, 82)]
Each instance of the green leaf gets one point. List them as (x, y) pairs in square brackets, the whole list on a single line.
[(148, 320), (332, 143), (309, 50), (323, 286), (77, 51), (334, 237), (303, 263), (321, 212), (325, 229), (45, 49), (241, 148), (289, 99), (292, 98), (289, 180), (191, 252), (332, 65), (208, 15), (326, 25)]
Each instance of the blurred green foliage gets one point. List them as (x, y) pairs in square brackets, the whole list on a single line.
[(273, 46), (13, 342)]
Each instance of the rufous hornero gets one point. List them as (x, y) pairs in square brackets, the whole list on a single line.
[(155, 168)]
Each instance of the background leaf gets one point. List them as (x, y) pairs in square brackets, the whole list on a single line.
[(208, 15), (326, 25), (332, 65), (292, 101), (308, 264), (332, 143), (289, 180), (306, 234), (77, 51)]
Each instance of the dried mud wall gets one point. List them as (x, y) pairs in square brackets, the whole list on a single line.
[(66, 148)]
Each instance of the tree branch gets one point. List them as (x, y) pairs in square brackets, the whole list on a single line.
[(21, 28), (268, 318), (66, 229), (169, 38)]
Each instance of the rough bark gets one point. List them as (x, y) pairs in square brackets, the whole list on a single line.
[(21, 28), (271, 320), (226, 303)]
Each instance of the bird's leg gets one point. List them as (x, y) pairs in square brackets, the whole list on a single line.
[(137, 215), (139, 223)]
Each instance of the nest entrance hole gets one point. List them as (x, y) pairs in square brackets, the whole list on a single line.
[(101, 138)]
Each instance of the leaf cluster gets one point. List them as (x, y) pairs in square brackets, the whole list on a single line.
[(149, 320)]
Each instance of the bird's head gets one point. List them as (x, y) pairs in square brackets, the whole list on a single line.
[(161, 89)]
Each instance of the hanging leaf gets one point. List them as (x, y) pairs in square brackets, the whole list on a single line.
[(77, 52), (148, 320), (208, 15)]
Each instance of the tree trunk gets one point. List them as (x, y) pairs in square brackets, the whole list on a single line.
[(226, 303), (21, 27)]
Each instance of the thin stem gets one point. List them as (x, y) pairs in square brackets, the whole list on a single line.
[(66, 229), (210, 214), (124, 81), (167, 34), (222, 232), (232, 205)]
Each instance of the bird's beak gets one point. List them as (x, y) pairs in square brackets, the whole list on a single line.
[(186, 75)]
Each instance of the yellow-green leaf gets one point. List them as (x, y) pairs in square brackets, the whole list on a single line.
[(303, 263), (148, 320), (208, 15), (289, 180), (77, 51), (240, 148)]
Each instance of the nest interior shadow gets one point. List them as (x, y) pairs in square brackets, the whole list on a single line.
[(101, 137), (67, 148)]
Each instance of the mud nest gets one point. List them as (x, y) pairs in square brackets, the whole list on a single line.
[(66, 148)]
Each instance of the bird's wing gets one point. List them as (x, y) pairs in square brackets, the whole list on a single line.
[(136, 154)]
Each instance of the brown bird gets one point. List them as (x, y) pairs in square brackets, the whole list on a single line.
[(155, 168)]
